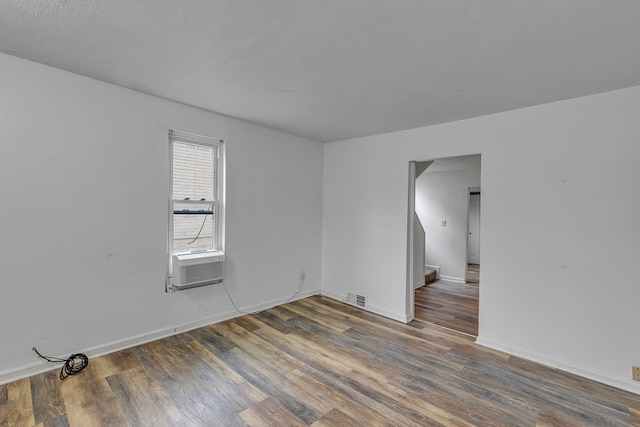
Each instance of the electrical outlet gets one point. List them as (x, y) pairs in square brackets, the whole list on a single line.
[(302, 275), (635, 373)]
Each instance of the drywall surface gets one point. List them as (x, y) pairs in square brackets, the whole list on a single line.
[(444, 196), (559, 192), (418, 253), (84, 177)]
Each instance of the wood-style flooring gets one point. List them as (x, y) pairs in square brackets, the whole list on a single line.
[(315, 362), (473, 273), (448, 304)]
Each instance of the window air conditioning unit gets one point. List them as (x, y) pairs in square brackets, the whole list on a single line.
[(197, 269)]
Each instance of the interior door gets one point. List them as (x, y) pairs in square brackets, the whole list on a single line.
[(473, 239)]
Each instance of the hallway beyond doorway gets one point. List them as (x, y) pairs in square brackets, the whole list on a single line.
[(450, 305)]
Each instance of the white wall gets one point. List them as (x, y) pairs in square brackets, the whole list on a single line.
[(83, 176), (559, 193), (418, 253), (445, 196)]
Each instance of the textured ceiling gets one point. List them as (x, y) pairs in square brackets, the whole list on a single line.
[(336, 69)]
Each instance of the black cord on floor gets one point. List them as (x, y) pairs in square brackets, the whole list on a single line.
[(74, 364)]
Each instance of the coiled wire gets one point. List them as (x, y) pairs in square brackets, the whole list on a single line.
[(74, 364)]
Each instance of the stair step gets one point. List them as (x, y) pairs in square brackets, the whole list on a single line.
[(429, 276)]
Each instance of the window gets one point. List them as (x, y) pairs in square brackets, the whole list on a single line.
[(196, 210)]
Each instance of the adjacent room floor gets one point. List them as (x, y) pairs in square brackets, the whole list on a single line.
[(448, 304), (473, 273)]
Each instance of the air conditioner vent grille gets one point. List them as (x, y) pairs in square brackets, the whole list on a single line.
[(198, 269)]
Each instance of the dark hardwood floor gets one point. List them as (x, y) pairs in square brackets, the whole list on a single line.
[(315, 362), (450, 305)]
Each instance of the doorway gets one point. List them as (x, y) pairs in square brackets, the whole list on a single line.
[(473, 237), (441, 199)]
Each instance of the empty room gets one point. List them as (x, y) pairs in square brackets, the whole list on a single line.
[(221, 213)]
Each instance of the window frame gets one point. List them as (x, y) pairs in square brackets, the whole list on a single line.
[(218, 196)]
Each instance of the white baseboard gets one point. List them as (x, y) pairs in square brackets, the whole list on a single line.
[(620, 383), (418, 284), (38, 367), (453, 279), (369, 307), (272, 303)]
